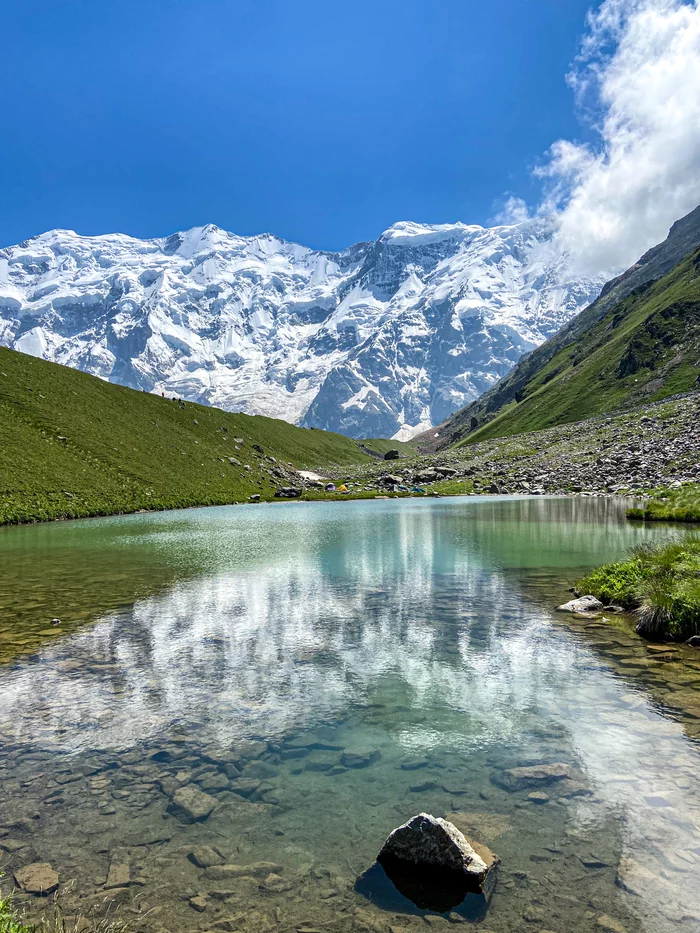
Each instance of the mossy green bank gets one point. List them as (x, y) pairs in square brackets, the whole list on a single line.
[(670, 505), (660, 583)]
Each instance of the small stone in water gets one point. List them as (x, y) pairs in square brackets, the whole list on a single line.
[(205, 857), (119, 875), (360, 758), (516, 779), (198, 903), (191, 805), (424, 787), (604, 922), (215, 782), (38, 878), (244, 786), (538, 796), (414, 765)]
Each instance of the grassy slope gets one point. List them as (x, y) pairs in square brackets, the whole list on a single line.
[(72, 445), (645, 349)]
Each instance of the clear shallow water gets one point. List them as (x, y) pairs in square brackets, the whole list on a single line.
[(292, 643)]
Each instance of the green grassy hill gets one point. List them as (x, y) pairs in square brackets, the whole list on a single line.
[(72, 445), (646, 348)]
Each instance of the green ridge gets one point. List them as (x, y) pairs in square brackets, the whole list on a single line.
[(646, 348), (72, 446)]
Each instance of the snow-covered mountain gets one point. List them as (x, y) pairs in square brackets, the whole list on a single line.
[(385, 338)]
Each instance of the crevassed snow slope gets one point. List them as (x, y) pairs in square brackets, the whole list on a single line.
[(382, 339)]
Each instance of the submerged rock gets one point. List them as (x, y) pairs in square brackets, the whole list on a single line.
[(360, 758), (191, 805), (256, 870), (582, 604), (534, 776), (205, 857), (38, 878), (119, 875)]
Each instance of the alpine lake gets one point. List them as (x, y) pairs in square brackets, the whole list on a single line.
[(312, 675)]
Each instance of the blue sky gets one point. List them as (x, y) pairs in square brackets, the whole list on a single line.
[(323, 122)]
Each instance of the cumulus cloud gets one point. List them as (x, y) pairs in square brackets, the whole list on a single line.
[(513, 211), (637, 79)]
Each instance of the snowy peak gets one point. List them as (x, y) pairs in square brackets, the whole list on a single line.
[(384, 338)]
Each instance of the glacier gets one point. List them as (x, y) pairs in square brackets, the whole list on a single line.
[(386, 338)]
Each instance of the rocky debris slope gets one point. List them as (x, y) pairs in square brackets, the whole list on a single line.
[(386, 337), (650, 447)]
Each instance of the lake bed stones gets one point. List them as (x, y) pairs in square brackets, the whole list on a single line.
[(39, 879), (191, 805)]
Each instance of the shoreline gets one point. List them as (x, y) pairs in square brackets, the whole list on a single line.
[(340, 498)]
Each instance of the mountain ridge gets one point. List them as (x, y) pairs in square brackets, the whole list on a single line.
[(383, 338), (639, 342), (683, 238)]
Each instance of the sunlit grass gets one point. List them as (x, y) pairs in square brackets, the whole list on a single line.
[(660, 583), (671, 505)]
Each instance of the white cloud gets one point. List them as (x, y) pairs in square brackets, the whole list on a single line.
[(514, 211), (638, 77)]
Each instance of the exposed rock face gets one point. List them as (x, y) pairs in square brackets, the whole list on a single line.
[(582, 604), (516, 779), (288, 492), (382, 338), (38, 878), (391, 455), (191, 805)]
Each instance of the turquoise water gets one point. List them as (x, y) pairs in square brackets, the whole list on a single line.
[(322, 673)]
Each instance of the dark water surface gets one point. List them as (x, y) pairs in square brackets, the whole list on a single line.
[(322, 673)]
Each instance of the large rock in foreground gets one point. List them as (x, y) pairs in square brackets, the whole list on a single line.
[(435, 866)]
